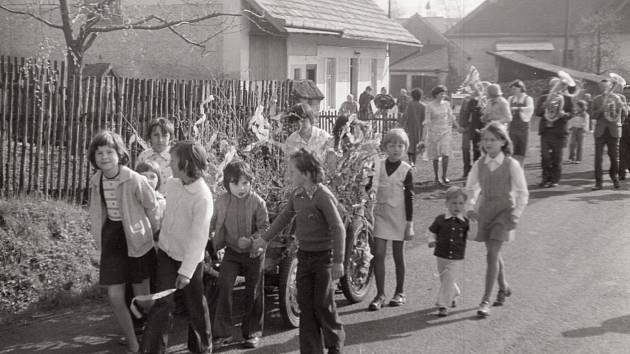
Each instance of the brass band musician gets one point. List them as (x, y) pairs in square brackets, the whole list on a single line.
[(555, 109), (610, 109)]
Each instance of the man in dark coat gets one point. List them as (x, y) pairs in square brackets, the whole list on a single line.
[(470, 125), (364, 103), (608, 131), (555, 110)]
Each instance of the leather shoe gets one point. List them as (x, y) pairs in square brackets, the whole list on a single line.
[(616, 184), (252, 342), (597, 187)]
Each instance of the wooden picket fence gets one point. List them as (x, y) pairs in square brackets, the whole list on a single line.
[(380, 124), (48, 118)]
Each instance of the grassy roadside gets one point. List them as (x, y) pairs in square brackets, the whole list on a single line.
[(47, 257)]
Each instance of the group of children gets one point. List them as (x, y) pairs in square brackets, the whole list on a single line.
[(153, 225), (494, 197)]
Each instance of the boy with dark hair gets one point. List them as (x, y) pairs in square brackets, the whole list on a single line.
[(241, 216)]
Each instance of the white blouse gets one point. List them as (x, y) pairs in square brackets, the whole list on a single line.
[(525, 112)]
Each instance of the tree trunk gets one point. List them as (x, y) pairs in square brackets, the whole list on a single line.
[(74, 59)]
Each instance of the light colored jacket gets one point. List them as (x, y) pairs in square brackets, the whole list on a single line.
[(186, 223), (139, 208)]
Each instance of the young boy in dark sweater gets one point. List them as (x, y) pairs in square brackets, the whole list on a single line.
[(321, 237)]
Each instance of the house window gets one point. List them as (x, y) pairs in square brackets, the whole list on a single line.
[(311, 72), (331, 82), (354, 76), (374, 74), (297, 74)]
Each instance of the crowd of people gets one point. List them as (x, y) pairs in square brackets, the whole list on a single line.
[(153, 224)]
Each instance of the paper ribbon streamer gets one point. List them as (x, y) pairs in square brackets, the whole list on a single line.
[(149, 297)]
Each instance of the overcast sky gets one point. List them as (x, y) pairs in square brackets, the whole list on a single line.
[(446, 8)]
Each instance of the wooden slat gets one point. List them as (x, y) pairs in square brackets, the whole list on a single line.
[(51, 132), (39, 136), (71, 111), (24, 122), (4, 105), (8, 187), (62, 109)]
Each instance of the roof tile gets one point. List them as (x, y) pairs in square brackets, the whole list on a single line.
[(356, 19)]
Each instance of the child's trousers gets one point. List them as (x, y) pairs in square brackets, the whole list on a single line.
[(232, 265), (448, 287), (155, 339), (318, 311), (575, 144)]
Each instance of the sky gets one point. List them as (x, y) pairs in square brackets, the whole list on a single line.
[(445, 8)]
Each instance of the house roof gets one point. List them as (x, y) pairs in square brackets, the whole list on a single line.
[(352, 19), (97, 70), (435, 60), (307, 89), (424, 30), (517, 17), (540, 65)]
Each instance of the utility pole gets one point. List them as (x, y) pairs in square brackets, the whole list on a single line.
[(598, 57), (565, 52)]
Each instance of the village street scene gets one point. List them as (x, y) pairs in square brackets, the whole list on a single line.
[(293, 176)]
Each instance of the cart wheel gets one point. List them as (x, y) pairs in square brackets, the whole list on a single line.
[(357, 274), (289, 308)]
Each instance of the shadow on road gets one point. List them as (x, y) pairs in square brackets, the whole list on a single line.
[(381, 329), (613, 325)]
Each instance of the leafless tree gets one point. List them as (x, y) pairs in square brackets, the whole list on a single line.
[(84, 21), (598, 42)]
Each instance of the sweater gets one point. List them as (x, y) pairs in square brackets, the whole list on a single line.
[(238, 217), (186, 223), (318, 224), (139, 209)]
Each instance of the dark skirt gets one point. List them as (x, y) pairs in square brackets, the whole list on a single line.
[(116, 267), (520, 137)]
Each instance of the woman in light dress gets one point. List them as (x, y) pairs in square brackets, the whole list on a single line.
[(439, 121)]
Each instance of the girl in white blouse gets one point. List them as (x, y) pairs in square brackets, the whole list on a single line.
[(497, 195)]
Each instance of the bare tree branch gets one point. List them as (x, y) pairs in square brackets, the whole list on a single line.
[(252, 16), (30, 14), (140, 24)]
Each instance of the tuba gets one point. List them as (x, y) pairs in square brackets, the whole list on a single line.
[(554, 105), (613, 105)]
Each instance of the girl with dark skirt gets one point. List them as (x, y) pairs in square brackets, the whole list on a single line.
[(124, 213)]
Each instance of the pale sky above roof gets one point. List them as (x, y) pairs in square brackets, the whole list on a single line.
[(439, 8)]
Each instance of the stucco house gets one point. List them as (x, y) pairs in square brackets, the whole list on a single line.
[(438, 62), (341, 45), (536, 29)]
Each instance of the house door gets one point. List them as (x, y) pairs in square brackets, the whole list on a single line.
[(354, 77), (331, 82), (397, 82)]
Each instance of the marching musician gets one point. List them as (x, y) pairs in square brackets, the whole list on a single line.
[(555, 109), (609, 111)]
